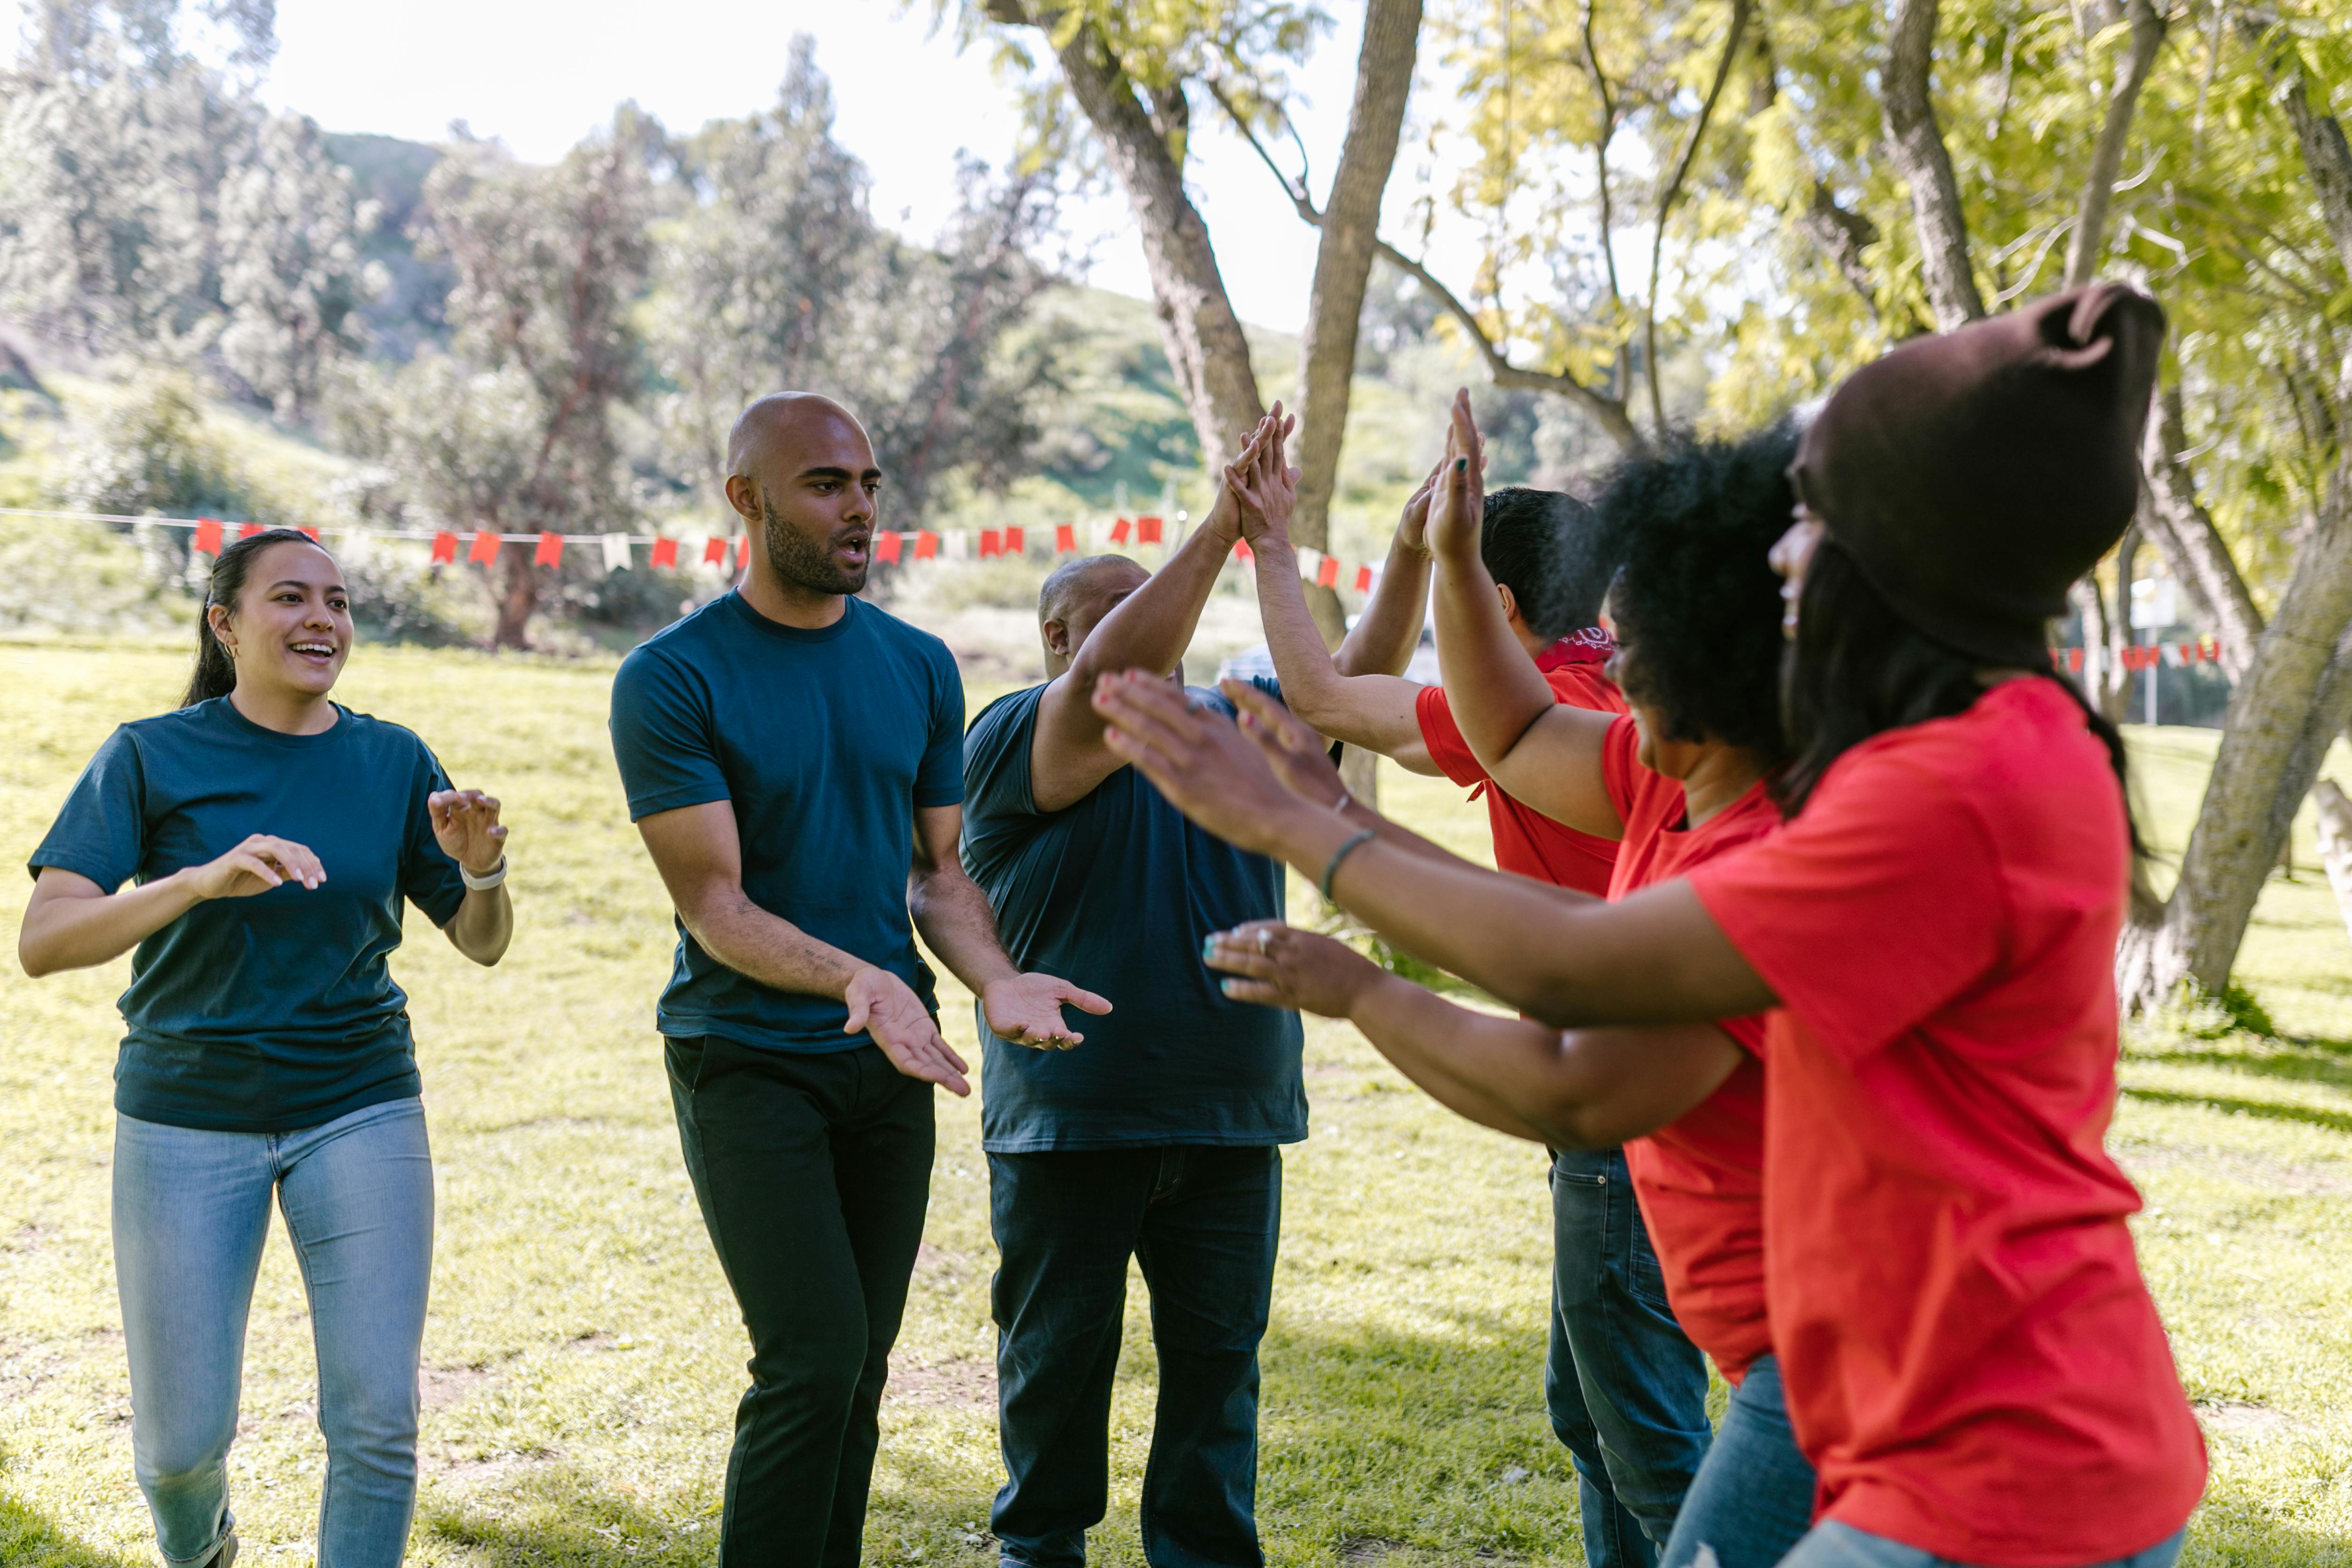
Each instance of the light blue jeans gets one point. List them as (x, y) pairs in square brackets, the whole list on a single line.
[(191, 1212), (1753, 1499), (1833, 1546)]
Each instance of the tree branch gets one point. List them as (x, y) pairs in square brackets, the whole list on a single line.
[(1916, 145), (2324, 152), (2147, 25), (1667, 199)]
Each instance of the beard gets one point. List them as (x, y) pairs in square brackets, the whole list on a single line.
[(803, 562)]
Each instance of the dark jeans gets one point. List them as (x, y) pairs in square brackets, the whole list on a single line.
[(1753, 1500), (1625, 1386), (814, 1173), (1204, 1223)]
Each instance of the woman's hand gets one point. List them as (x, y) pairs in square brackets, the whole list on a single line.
[(1261, 482), (1208, 770), (466, 826), (1282, 967), (1457, 503), (257, 865), (1413, 527), (1297, 753)]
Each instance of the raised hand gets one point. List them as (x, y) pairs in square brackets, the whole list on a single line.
[(257, 865), (1208, 770), (1279, 966), (1458, 499), (1413, 527), (884, 1006), (466, 826), (1261, 481), (1297, 753), (1027, 1010)]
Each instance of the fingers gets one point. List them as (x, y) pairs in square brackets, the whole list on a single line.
[(1150, 711), (294, 860), (1260, 713), (860, 1009), (254, 866), (1085, 1001), (1264, 993)]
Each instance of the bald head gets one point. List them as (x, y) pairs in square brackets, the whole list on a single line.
[(802, 476), (1074, 599)]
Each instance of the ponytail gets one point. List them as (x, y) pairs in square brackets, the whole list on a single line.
[(215, 671)]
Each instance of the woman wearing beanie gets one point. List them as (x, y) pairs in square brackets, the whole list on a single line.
[(1972, 1361), (271, 835)]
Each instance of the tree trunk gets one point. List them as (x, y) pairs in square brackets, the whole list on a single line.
[(2183, 533), (518, 598), (2291, 704), (2115, 133), (1916, 144), (2106, 629), (1203, 338), (1349, 238)]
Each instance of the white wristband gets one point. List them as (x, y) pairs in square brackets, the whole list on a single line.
[(484, 884)]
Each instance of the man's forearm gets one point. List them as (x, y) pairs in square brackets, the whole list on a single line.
[(1382, 639), (1153, 626), (769, 948), (955, 923)]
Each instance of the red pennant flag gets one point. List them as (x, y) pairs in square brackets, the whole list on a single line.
[(246, 530), (208, 537), (743, 552), (714, 550), (486, 548), (886, 546), (1066, 540), (549, 552), (2075, 659), (1327, 574), (991, 543), (2191, 653), (314, 533), (1146, 530), (1014, 543), (1118, 531), (1363, 580), (445, 546), (664, 553), (1242, 553), (926, 544)]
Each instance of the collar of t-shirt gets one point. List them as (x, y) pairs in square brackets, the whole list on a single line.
[(1593, 645)]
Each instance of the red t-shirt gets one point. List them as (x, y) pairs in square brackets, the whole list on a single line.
[(1973, 1362), (1526, 840), (1700, 1178)]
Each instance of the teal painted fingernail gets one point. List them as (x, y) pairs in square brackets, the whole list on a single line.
[(1460, 464), (1208, 947)]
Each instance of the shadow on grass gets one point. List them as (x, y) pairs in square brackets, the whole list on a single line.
[(553, 1516), (30, 1539), (2300, 1066), (2245, 1535), (2268, 1111)]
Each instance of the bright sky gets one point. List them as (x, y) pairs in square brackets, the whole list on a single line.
[(540, 74)]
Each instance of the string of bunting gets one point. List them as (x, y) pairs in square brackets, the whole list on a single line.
[(727, 553), (2136, 656)]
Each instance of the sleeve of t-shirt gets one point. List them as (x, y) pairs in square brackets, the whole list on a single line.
[(662, 736), (996, 756), (1443, 739), (1871, 911), (939, 782), (428, 874), (102, 830)]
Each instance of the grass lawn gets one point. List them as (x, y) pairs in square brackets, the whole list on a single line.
[(584, 1356)]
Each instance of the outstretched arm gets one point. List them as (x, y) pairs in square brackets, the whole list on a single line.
[(1655, 957), (953, 915), (700, 855), (1148, 631), (1352, 698), (1537, 749), (1586, 1088)]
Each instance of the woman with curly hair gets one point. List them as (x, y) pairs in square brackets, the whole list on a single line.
[(271, 836), (1683, 779), (1972, 1361)]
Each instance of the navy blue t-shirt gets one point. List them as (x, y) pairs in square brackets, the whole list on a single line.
[(826, 741), (1115, 894), (275, 1012)]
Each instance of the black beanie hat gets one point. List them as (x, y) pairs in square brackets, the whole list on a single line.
[(1975, 475)]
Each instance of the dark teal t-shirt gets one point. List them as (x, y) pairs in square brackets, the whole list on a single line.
[(825, 742), (1115, 894), (276, 1012)]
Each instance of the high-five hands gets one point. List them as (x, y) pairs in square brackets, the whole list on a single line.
[(886, 1007), (1261, 480), (1413, 527), (1457, 501), (466, 826), (1279, 966), (1027, 1010), (1227, 517)]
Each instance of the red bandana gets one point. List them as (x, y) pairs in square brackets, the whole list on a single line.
[(1591, 646)]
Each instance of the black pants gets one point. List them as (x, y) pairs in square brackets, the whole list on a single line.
[(1203, 1222), (814, 1173)]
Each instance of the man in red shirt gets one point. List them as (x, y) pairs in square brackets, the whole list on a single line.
[(1625, 1389)]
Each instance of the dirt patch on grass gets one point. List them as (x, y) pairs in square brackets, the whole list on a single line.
[(966, 1383), (2242, 1418), (441, 1387)]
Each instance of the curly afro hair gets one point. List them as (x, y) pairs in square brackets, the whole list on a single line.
[(1547, 548), (1697, 605)]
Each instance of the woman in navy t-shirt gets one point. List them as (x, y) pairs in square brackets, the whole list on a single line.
[(270, 835)]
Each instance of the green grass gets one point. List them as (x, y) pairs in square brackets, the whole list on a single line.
[(583, 1355)]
